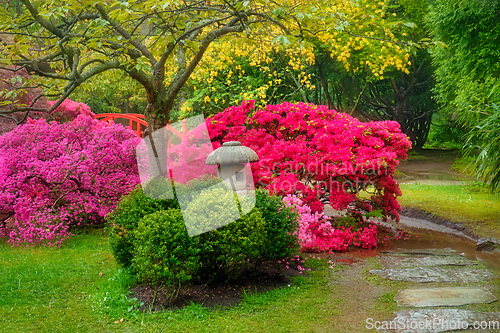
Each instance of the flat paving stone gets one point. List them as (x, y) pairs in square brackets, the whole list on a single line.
[(432, 252), (441, 320), (445, 296), (434, 274), (412, 261)]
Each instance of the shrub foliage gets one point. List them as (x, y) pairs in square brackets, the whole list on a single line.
[(281, 225), (125, 219), (139, 239), (163, 254)]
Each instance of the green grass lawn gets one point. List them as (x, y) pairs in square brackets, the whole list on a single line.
[(52, 290), (61, 290), (478, 210)]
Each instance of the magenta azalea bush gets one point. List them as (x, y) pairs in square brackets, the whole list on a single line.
[(318, 153), (69, 110), (316, 233), (54, 176)]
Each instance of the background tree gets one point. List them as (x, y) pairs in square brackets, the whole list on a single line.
[(160, 44), (405, 98), (114, 92), (366, 40), (399, 88), (83, 39), (13, 90)]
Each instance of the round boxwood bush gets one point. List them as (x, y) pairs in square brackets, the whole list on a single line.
[(141, 224), (227, 251), (164, 255), (281, 225), (136, 205), (124, 220)]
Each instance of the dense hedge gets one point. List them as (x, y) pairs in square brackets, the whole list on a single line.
[(125, 219), (149, 236), (162, 251)]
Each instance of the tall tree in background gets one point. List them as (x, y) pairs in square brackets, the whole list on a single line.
[(402, 93), (157, 43)]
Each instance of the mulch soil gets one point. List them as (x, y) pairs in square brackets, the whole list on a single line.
[(267, 276)]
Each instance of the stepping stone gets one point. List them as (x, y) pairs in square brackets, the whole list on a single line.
[(442, 320), (434, 274), (411, 261), (446, 296), (433, 252)]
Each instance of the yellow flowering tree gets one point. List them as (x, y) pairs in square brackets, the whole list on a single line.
[(268, 74), (356, 37), (395, 83)]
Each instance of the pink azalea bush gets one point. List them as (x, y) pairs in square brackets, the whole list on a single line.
[(54, 176), (316, 233), (69, 110), (318, 153)]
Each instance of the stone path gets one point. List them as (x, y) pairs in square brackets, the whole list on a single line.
[(444, 296), (442, 266), (434, 274), (444, 320), (411, 261)]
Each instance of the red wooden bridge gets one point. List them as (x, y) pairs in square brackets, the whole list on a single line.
[(137, 123)]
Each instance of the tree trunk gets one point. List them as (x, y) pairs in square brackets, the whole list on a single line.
[(324, 85), (154, 121)]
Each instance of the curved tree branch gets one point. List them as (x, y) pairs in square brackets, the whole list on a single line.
[(138, 45)]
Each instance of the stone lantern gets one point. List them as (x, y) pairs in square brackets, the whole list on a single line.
[(232, 159)]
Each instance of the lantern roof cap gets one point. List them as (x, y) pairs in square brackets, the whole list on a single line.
[(232, 152)]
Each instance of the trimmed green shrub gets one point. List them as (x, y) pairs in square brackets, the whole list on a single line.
[(211, 208), (124, 220), (164, 254), (228, 251), (197, 185), (150, 236), (135, 206), (281, 225)]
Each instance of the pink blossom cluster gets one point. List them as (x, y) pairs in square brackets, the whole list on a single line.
[(69, 110), (187, 159), (54, 176), (319, 153), (316, 233)]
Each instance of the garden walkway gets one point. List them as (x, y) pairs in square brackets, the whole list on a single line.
[(440, 276), (430, 167), (457, 281)]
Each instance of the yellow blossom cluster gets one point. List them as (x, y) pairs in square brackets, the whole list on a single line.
[(221, 63), (366, 45)]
